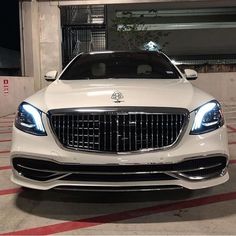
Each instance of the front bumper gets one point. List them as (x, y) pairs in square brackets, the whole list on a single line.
[(194, 173), (191, 147)]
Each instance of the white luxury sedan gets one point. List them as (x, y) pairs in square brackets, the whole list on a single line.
[(120, 121)]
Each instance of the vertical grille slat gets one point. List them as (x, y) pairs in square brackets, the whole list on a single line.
[(176, 125), (82, 131), (105, 132), (130, 132), (117, 131), (135, 130), (63, 128), (157, 123), (141, 132), (167, 130), (93, 135), (59, 124), (110, 133), (99, 123), (73, 130), (124, 133), (147, 137), (68, 132), (162, 132), (171, 127), (77, 130)]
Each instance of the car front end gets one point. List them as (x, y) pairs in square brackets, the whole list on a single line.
[(120, 135)]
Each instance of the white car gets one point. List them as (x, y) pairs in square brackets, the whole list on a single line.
[(120, 121)]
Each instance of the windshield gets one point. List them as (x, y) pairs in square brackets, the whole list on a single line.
[(120, 65)]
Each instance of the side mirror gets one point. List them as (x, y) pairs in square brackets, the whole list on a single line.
[(51, 76), (190, 74)]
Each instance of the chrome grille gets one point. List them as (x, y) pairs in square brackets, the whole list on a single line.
[(117, 130)]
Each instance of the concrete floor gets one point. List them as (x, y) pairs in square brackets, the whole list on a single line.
[(209, 211)]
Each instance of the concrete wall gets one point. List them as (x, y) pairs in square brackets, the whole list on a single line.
[(220, 85), (13, 90)]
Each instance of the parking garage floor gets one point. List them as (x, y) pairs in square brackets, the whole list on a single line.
[(31, 212)]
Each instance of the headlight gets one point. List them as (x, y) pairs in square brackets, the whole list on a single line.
[(29, 120), (208, 117)]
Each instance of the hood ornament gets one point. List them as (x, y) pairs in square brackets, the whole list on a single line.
[(117, 96)]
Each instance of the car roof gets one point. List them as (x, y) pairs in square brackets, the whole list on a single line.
[(124, 52)]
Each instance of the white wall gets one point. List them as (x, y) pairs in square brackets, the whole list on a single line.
[(19, 88), (220, 85)]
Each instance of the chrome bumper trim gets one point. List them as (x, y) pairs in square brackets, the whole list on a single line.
[(176, 174)]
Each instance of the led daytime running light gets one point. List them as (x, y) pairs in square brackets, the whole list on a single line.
[(200, 114), (35, 115)]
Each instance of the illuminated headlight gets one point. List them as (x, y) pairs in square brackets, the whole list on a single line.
[(208, 117), (29, 120)]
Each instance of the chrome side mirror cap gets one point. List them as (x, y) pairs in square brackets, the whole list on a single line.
[(190, 74), (51, 76)]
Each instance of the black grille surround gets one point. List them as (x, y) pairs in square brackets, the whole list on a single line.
[(193, 169), (118, 130)]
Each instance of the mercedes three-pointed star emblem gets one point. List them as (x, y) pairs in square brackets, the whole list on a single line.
[(117, 96)]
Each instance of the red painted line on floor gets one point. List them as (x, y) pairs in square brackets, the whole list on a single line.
[(5, 140), (231, 143), (232, 161), (231, 128), (231, 132), (8, 117), (126, 215), (6, 122), (10, 191), (5, 126), (5, 167), (5, 151), (5, 132)]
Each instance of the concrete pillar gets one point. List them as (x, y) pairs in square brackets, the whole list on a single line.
[(30, 41), (41, 40), (50, 39)]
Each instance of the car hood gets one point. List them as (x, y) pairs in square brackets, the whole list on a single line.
[(97, 93)]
